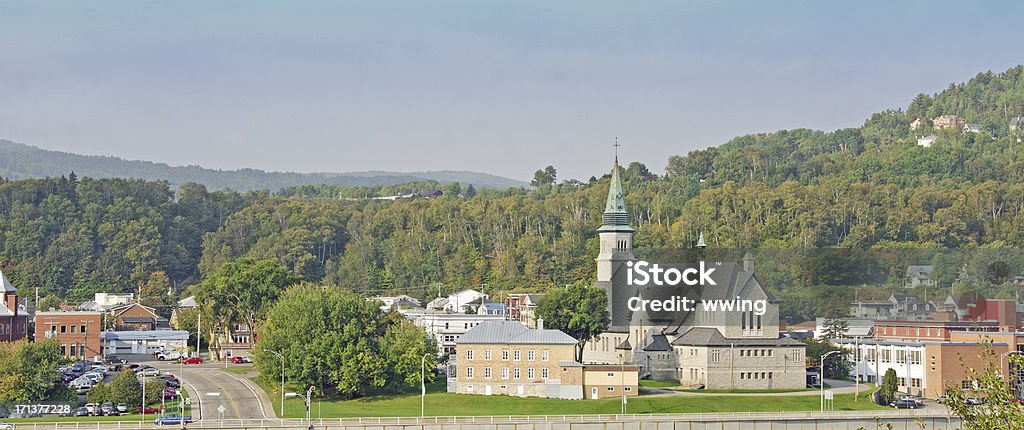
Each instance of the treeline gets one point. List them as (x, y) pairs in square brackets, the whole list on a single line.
[(871, 187)]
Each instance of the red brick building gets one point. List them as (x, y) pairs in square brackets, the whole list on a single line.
[(1003, 312), (13, 321), (79, 332), (935, 331)]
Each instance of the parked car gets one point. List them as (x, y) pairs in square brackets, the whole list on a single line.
[(237, 360), (904, 404), (168, 355), (172, 419), (170, 393), (114, 359), (941, 399), (974, 401), (91, 408), (150, 371), (122, 408), (6, 426), (77, 367), (192, 360), (147, 410), (134, 366), (82, 412)]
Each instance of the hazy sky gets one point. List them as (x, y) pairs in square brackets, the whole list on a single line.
[(504, 87)]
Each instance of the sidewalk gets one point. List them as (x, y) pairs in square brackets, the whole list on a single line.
[(838, 387)]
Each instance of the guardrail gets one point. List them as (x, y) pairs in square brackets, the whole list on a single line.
[(492, 419)]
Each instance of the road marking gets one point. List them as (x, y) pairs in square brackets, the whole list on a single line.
[(224, 390), (249, 386)]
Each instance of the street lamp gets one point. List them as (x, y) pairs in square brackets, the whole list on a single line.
[(309, 393), (423, 384), (282, 379), (821, 379)]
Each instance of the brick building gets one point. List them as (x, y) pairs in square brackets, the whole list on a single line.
[(78, 332), (13, 318)]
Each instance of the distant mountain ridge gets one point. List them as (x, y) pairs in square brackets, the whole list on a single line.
[(20, 161)]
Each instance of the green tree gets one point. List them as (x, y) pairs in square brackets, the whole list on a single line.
[(887, 392), (577, 310), (545, 176), (239, 292), (100, 393), (1001, 404), (125, 388), (28, 371), (339, 343)]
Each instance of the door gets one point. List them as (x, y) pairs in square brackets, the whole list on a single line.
[(521, 390), (487, 390), (593, 393)]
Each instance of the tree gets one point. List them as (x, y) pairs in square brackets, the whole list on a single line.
[(1001, 404), (28, 371), (100, 393), (125, 388), (577, 310), (154, 292), (888, 390), (470, 192), (340, 343), (239, 292), (835, 326), (545, 176)]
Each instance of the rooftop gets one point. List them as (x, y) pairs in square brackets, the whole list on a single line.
[(513, 332)]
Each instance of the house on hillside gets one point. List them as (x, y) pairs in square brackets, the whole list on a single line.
[(927, 141), (137, 317), (948, 122), (919, 276), (972, 128), (917, 123)]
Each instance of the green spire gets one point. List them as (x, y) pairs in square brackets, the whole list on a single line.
[(615, 216)]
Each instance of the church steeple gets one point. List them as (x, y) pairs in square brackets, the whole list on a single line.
[(615, 217)]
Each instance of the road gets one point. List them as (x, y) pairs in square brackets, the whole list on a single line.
[(210, 387)]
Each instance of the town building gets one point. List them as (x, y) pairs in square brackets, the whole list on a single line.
[(234, 341), (714, 350), (507, 358), (183, 304), (102, 302), (927, 141), (464, 301), (134, 316), (948, 122), (911, 307), (390, 303), (972, 128), (873, 309), (13, 315), (79, 333), (919, 276), (445, 327), (522, 307), (855, 327), (928, 330), (144, 341)]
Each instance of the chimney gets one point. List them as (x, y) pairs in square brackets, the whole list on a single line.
[(540, 323)]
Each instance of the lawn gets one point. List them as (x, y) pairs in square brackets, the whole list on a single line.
[(239, 369), (650, 383), (791, 390), (439, 403)]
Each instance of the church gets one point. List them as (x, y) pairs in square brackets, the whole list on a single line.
[(715, 350)]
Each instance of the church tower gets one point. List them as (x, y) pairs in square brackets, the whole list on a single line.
[(615, 234)]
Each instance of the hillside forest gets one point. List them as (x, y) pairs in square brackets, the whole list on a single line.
[(828, 215)]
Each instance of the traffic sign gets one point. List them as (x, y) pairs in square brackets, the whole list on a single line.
[(220, 409)]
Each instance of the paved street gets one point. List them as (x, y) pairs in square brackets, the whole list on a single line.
[(240, 397)]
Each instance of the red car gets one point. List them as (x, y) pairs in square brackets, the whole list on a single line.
[(192, 360), (237, 360), (147, 410)]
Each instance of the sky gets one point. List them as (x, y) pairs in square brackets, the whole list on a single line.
[(503, 87)]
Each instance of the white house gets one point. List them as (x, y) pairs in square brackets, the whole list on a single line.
[(144, 341), (446, 327), (460, 302), (927, 141)]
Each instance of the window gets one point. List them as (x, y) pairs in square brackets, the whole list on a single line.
[(530, 373), (487, 373), (628, 389), (544, 373), (967, 385), (611, 388), (516, 356), (770, 375), (73, 328), (74, 350), (63, 329), (504, 373), (915, 357), (901, 357), (82, 330), (544, 355), (915, 382), (886, 355), (902, 382), (530, 355), (63, 349), (469, 354), (515, 373), (504, 355), (469, 372), (487, 354)]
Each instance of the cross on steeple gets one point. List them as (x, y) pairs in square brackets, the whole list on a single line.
[(616, 145)]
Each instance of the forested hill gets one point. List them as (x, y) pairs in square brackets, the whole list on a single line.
[(19, 161), (869, 188)]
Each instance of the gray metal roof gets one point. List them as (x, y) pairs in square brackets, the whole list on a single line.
[(657, 342), (513, 332), (5, 285), (706, 336)]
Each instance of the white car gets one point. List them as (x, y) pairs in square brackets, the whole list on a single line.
[(5, 426), (150, 372)]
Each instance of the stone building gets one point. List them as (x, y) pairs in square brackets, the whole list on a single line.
[(13, 316), (739, 349)]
